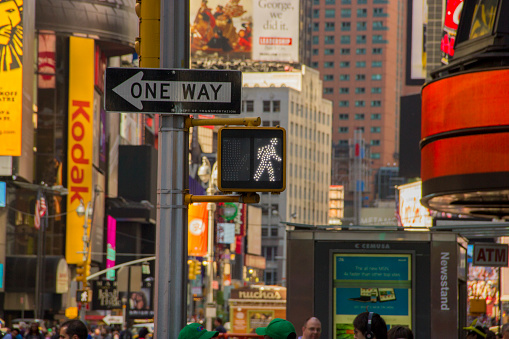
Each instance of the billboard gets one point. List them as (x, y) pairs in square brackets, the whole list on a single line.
[(11, 76), (419, 23), (380, 283), (451, 22), (411, 212), (260, 30), (80, 141)]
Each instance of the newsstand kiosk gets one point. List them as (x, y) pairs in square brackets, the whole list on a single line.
[(414, 279)]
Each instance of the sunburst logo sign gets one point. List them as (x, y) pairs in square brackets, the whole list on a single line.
[(11, 75)]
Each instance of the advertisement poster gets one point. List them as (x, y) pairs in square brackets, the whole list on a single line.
[(11, 76), (197, 230), (379, 283), (245, 29), (451, 22)]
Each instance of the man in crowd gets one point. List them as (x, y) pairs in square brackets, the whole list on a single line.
[(312, 328)]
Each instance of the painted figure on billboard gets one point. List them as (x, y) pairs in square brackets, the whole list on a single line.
[(11, 34), (451, 21)]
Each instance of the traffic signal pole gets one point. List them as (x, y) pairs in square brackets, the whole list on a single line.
[(172, 184)]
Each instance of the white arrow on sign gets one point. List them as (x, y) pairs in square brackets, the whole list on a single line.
[(113, 319), (135, 90)]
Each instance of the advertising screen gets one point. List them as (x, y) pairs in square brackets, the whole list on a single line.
[(245, 29), (451, 21), (380, 283)]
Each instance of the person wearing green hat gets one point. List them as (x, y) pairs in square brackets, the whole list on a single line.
[(196, 331), (278, 329)]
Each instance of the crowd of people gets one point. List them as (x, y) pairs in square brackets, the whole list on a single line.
[(367, 325)]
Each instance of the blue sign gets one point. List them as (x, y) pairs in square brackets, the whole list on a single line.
[(1, 275), (3, 193)]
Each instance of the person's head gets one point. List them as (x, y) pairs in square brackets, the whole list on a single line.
[(477, 332), (400, 332), (505, 331), (196, 331), (369, 325), (312, 328), (278, 329), (218, 321), (73, 329), (34, 327), (14, 332)]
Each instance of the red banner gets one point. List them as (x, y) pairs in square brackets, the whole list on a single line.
[(197, 230)]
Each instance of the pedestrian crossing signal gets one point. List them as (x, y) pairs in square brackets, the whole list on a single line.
[(252, 159)]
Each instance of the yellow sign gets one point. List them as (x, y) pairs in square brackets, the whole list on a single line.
[(80, 141), (71, 312), (11, 76)]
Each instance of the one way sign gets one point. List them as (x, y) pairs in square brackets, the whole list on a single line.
[(184, 91)]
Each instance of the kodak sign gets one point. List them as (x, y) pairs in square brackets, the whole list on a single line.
[(494, 255), (80, 141)]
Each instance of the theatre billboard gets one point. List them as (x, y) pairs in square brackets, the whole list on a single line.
[(245, 29)]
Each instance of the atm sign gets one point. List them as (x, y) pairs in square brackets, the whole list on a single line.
[(494, 255)]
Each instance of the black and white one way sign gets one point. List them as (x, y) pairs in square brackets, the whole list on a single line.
[(185, 91)]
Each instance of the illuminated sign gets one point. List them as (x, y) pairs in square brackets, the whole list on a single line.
[(80, 141), (252, 159), (11, 76), (492, 255), (452, 19)]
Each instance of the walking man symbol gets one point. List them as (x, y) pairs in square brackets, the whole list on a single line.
[(265, 155)]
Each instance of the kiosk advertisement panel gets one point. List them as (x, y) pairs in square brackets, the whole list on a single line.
[(380, 283)]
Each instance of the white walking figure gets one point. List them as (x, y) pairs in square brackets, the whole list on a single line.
[(266, 154)]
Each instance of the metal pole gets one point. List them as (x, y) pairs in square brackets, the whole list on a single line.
[(173, 180), (38, 279), (211, 207)]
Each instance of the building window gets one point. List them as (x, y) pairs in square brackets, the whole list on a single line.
[(360, 64), (346, 2), (344, 90), (377, 51), (345, 51), (343, 129), (375, 156), (378, 25), (330, 2), (330, 13), (375, 143), (376, 64), (362, 2), (271, 277), (316, 13), (360, 103), (316, 40), (345, 26), (359, 116), (273, 232), (343, 142), (360, 77), (376, 90), (344, 77), (361, 39), (346, 13), (328, 90), (315, 51), (329, 51), (316, 26), (276, 106), (265, 123), (377, 38), (361, 26), (328, 77), (376, 76), (329, 39), (345, 39), (330, 26), (248, 105), (376, 103), (343, 116), (360, 90), (379, 12), (360, 51), (360, 129), (362, 12), (265, 231), (376, 116), (375, 129), (344, 64), (344, 103), (314, 64), (266, 106), (328, 64), (276, 123), (269, 252)]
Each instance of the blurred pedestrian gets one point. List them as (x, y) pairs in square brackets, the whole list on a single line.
[(505, 331), (369, 325), (196, 331), (34, 332), (278, 329), (142, 333), (491, 335), (125, 333), (312, 329), (400, 332), (13, 334), (73, 329), (218, 323), (475, 331)]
